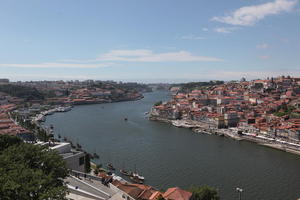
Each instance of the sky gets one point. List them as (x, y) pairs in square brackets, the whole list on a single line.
[(149, 40)]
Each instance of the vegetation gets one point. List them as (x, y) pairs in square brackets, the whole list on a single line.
[(87, 163), (160, 197), (30, 171), (25, 92), (285, 110), (186, 87), (7, 141), (158, 103), (204, 193), (39, 131)]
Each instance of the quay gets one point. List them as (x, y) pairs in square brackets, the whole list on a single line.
[(201, 127)]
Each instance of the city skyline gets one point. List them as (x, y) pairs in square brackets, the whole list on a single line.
[(169, 41)]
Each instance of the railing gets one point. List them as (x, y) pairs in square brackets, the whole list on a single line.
[(85, 175)]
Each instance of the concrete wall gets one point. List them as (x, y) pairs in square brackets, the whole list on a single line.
[(73, 162)]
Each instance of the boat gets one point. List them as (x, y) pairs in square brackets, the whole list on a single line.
[(136, 175), (125, 119), (96, 156), (136, 180), (111, 167), (126, 173)]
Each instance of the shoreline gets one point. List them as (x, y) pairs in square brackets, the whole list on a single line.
[(41, 116), (198, 127)]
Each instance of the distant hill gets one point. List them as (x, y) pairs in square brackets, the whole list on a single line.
[(185, 87), (20, 91)]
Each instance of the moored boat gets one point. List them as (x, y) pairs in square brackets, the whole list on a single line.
[(136, 175), (136, 180), (126, 173), (111, 167)]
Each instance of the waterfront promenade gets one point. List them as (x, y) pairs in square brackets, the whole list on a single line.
[(202, 127)]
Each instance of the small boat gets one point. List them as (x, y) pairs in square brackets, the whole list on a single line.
[(125, 119), (136, 175), (111, 167), (126, 173), (96, 156), (78, 145), (136, 180)]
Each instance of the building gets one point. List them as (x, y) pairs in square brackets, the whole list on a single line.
[(177, 194), (75, 160), (135, 191)]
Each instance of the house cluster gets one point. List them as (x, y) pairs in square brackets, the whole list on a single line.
[(85, 92), (131, 191), (270, 107), (101, 95), (10, 127)]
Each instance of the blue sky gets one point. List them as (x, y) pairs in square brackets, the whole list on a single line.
[(149, 40)]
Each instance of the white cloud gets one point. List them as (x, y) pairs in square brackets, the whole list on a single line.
[(249, 15), (143, 55), (57, 65), (263, 46), (225, 29), (192, 37)]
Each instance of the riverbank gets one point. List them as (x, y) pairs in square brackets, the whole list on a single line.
[(199, 158), (200, 127)]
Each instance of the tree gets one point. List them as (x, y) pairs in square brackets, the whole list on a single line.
[(160, 197), (7, 141), (87, 163), (204, 193), (31, 172), (158, 103)]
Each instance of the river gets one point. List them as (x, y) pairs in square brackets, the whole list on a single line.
[(168, 156)]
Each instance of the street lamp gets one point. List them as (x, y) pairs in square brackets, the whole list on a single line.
[(239, 190)]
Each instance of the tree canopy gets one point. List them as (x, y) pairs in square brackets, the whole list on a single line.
[(204, 193), (30, 172)]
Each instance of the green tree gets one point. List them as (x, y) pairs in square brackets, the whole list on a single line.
[(87, 163), (158, 103), (160, 197), (7, 141), (204, 193), (31, 172)]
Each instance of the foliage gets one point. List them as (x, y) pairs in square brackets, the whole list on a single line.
[(31, 172), (204, 193), (285, 110), (96, 171), (160, 197), (186, 87), (87, 163), (25, 92), (158, 103), (7, 141)]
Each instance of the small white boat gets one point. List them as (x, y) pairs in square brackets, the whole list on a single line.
[(136, 175)]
